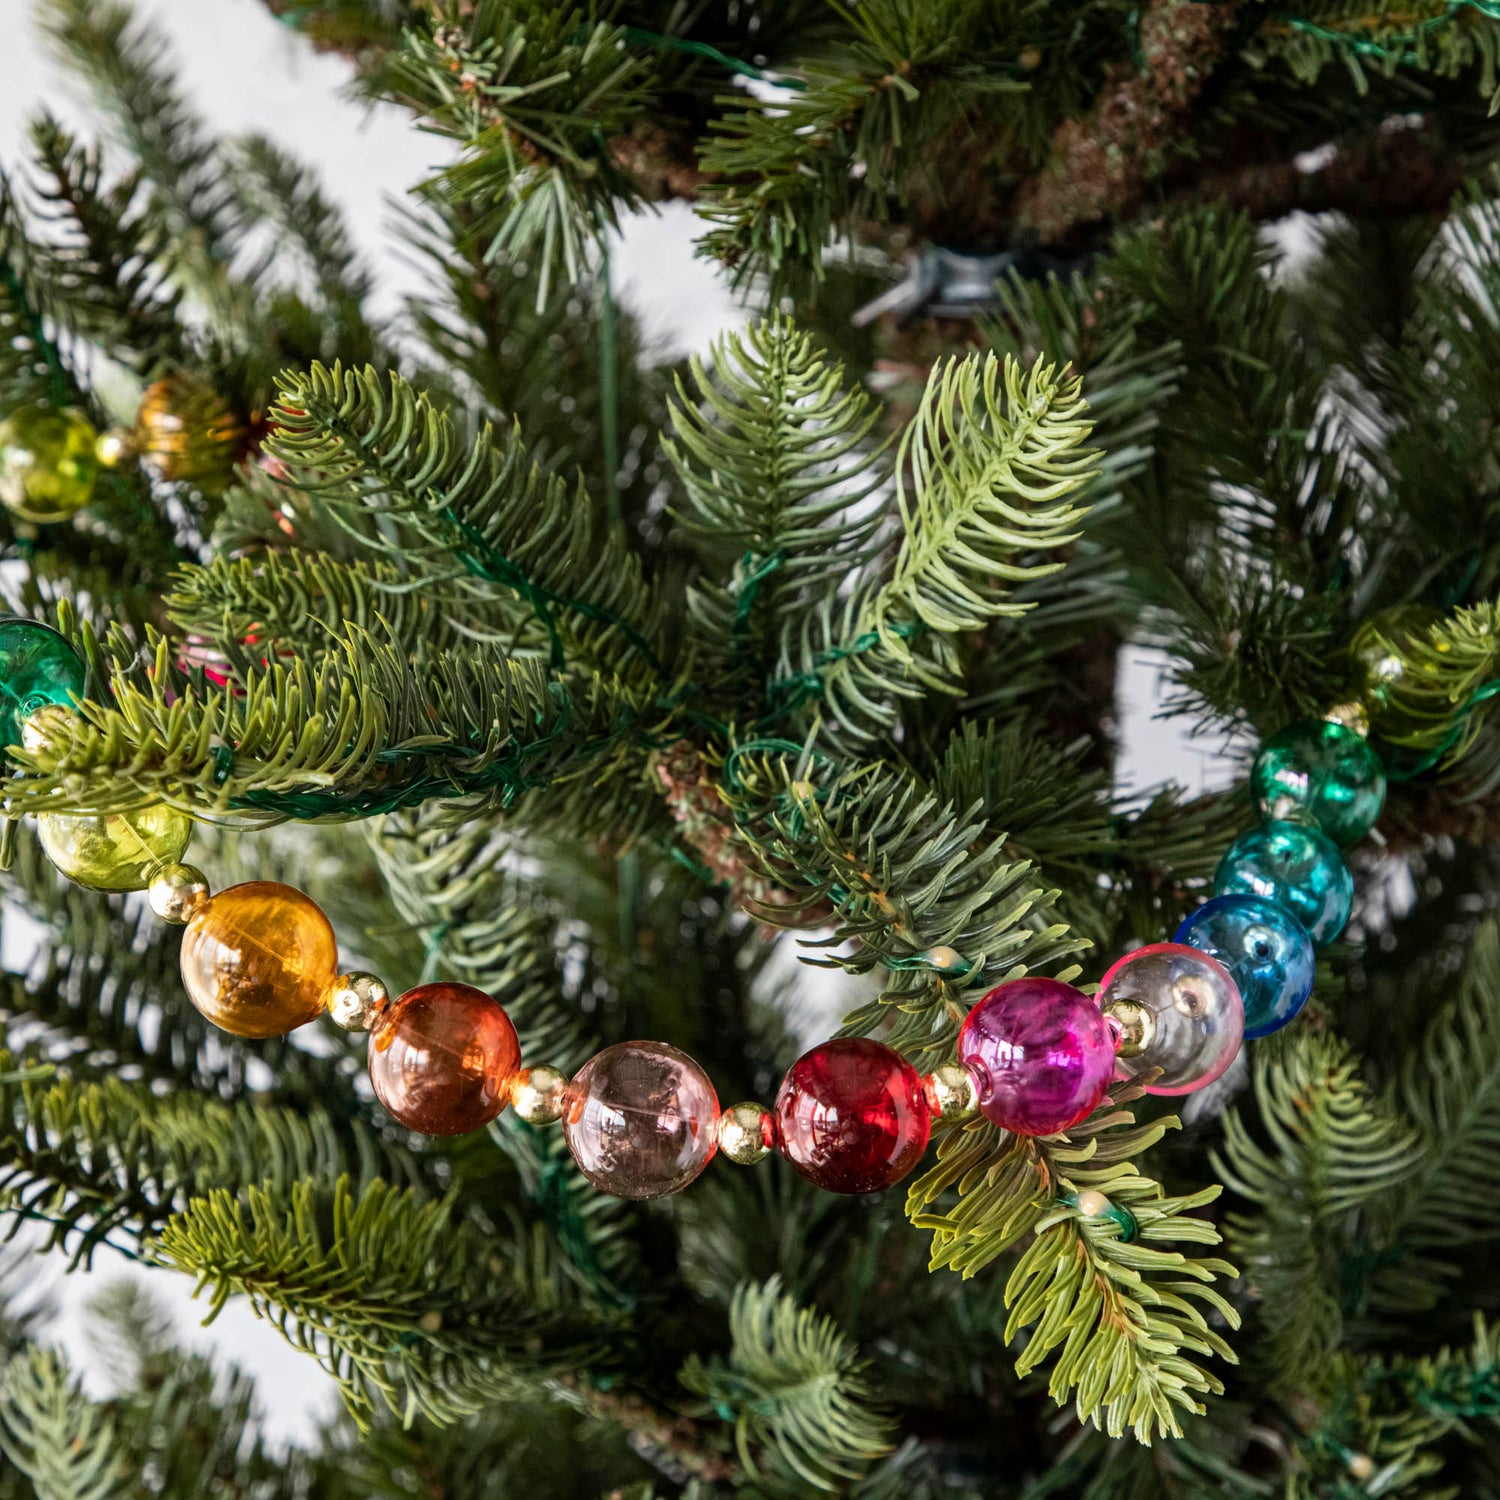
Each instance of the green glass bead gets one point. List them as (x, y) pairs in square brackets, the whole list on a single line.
[(1296, 865), (119, 852), (47, 463), (37, 667), (1320, 772)]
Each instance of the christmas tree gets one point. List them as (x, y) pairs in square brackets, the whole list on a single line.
[(623, 693)]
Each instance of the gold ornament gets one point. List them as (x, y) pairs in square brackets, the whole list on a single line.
[(1135, 1024), (951, 1092), (47, 726), (539, 1095), (188, 434), (742, 1133), (177, 891), (1351, 716), (354, 1001)]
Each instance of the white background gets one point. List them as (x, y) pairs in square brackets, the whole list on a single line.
[(244, 71)]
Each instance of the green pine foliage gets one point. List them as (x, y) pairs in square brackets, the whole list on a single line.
[(553, 670)]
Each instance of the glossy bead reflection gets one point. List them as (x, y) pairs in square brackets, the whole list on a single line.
[(852, 1116), (1295, 864), (1041, 1052), (258, 958), (47, 463), (1188, 1012), (119, 852), (37, 667), (443, 1058), (642, 1120), (1266, 950), (1320, 771)]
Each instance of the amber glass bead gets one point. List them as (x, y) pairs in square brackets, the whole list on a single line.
[(642, 1120), (47, 463), (443, 1058), (118, 852), (258, 958), (852, 1116)]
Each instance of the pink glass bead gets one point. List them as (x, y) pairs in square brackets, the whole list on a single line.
[(1042, 1055), (641, 1120), (1186, 1008), (852, 1116)]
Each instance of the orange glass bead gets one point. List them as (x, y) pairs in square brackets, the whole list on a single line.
[(257, 959), (443, 1058)]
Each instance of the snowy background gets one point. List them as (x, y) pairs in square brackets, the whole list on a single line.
[(365, 158)]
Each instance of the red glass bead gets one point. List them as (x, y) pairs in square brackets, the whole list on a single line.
[(442, 1058), (852, 1116)]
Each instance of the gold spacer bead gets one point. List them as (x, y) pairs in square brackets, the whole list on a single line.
[(744, 1133), (1091, 1203), (354, 1001), (539, 1095), (46, 726), (178, 892), (112, 448), (1351, 716), (951, 1092), (1133, 1024)]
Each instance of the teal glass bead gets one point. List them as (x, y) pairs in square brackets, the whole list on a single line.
[(1295, 864), (37, 667), (1320, 772), (1266, 950)]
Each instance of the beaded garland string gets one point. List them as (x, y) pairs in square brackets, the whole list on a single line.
[(641, 1119)]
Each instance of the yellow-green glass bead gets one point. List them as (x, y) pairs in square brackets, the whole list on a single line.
[(47, 463), (1389, 677), (118, 852), (37, 667)]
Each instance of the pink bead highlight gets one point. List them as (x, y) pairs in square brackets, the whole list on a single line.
[(1041, 1053)]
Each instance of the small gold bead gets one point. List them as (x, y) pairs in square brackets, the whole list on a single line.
[(355, 1001), (1351, 716), (944, 958), (177, 892), (1092, 1203), (47, 726), (1133, 1024), (112, 448), (744, 1131), (539, 1095), (951, 1092)]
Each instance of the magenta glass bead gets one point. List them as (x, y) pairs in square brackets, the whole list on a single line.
[(852, 1116), (1181, 1011), (641, 1120), (1041, 1053)]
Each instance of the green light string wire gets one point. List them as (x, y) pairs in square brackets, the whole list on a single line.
[(1405, 40), (1456, 732), (637, 37)]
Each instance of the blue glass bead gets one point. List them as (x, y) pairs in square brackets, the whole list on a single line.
[(1296, 865), (37, 667), (1266, 950), (1320, 772)]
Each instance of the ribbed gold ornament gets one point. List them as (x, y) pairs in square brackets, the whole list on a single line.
[(187, 433)]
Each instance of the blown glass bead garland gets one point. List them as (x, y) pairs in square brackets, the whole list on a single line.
[(852, 1115)]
